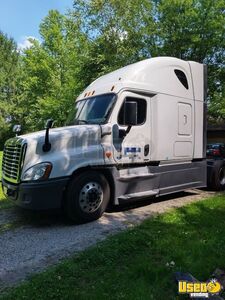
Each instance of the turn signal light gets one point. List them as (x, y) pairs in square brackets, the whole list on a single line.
[(108, 154)]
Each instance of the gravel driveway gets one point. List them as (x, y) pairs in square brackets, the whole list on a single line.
[(40, 240)]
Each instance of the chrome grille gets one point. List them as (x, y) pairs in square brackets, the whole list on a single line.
[(12, 159)]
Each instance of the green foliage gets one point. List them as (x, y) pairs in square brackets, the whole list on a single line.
[(50, 73), (8, 83), (195, 30), (119, 33)]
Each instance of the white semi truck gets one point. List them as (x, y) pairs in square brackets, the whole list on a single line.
[(137, 132)]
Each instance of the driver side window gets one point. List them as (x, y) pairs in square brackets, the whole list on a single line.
[(141, 110)]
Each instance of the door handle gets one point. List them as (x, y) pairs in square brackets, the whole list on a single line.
[(146, 150)]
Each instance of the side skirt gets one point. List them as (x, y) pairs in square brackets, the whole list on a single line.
[(149, 181)]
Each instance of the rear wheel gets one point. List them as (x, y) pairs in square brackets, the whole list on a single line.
[(216, 180), (87, 197)]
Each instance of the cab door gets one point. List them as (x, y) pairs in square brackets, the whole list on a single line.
[(132, 145)]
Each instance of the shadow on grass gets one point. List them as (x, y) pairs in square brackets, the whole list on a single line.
[(56, 218)]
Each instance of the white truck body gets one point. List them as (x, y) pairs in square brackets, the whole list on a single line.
[(163, 152)]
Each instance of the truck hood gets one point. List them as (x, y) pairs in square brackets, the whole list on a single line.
[(58, 136), (73, 145)]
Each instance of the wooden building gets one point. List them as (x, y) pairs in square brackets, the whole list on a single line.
[(216, 134)]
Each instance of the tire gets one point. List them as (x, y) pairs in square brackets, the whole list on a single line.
[(216, 178), (87, 197)]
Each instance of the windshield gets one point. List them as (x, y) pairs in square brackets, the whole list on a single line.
[(94, 110)]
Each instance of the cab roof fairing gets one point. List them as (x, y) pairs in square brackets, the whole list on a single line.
[(154, 75)]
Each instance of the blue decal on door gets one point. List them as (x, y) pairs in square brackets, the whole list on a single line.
[(129, 150)]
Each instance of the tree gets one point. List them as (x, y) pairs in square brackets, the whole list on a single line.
[(9, 57), (195, 30), (118, 33), (50, 81), (122, 32)]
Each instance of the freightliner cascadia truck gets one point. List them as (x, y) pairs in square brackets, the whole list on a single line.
[(137, 132)]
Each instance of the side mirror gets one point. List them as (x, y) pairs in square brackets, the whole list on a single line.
[(17, 128), (130, 113)]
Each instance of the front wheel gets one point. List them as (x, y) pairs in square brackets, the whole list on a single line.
[(87, 197)]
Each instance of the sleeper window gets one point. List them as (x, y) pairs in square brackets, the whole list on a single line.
[(182, 78), (141, 110)]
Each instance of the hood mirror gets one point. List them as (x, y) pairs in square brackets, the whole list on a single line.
[(49, 123), (47, 145), (17, 129)]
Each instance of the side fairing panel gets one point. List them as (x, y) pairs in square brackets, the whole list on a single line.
[(199, 129), (172, 128), (197, 71)]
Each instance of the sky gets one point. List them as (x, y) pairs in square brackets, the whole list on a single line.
[(20, 19)]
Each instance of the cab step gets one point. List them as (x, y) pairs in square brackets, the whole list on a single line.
[(137, 196)]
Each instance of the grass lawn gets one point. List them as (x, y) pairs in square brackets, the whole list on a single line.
[(4, 203), (133, 264)]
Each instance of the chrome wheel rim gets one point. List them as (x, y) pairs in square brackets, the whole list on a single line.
[(222, 176), (90, 197)]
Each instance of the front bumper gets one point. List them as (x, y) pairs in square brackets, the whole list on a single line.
[(37, 195)]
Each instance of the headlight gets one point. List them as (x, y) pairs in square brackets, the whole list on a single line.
[(38, 172)]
